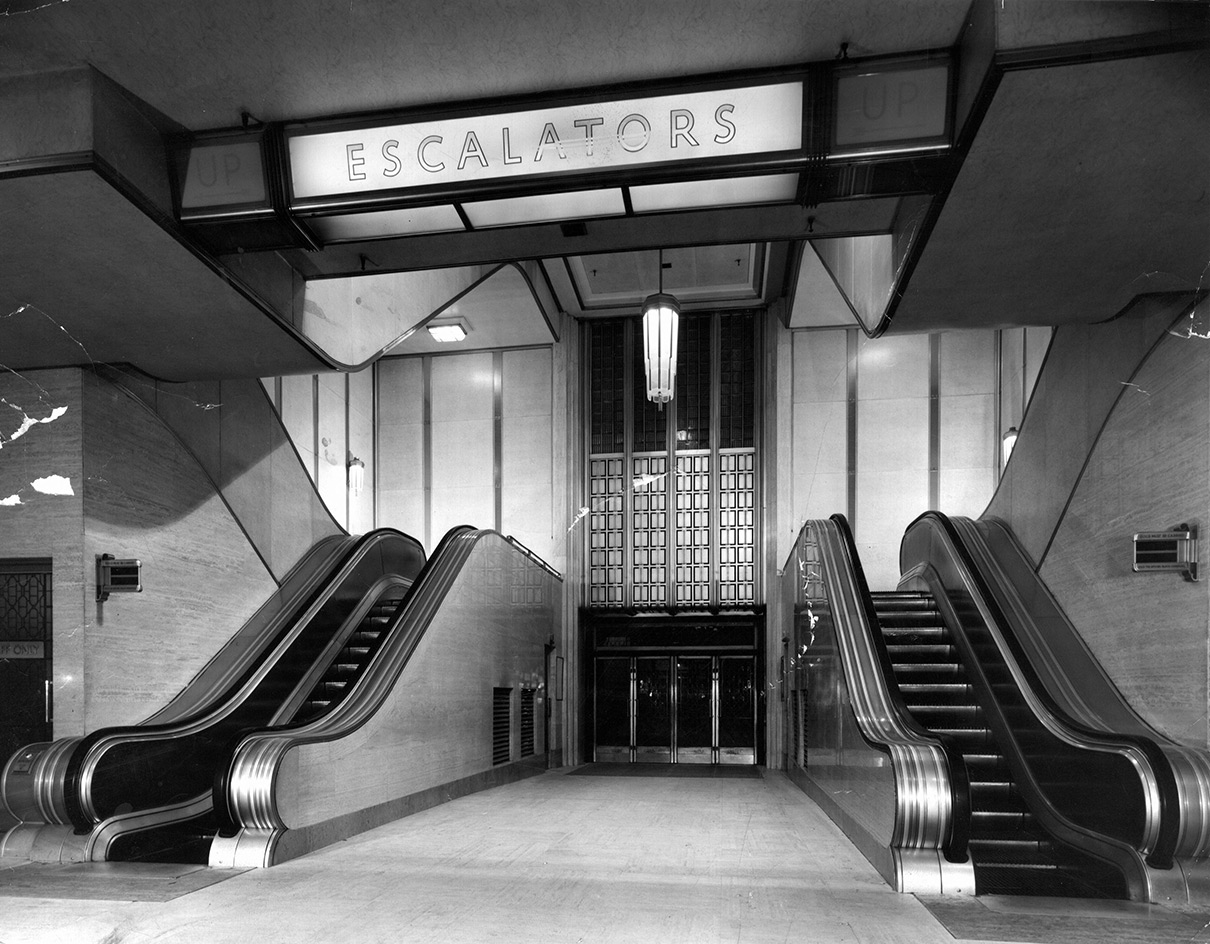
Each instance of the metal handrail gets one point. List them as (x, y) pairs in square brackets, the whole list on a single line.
[(1154, 839)]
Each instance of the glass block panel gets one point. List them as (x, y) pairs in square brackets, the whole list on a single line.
[(693, 384), (737, 528), (649, 569), (737, 381), (693, 530), (605, 522), (607, 377)]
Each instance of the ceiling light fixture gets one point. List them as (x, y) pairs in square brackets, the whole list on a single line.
[(449, 331), (661, 324)]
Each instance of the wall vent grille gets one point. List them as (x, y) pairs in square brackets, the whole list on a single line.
[(527, 722), (502, 724)]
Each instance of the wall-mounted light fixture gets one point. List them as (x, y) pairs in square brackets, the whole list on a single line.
[(118, 576), (661, 325), (357, 475), (448, 330), (1006, 444)]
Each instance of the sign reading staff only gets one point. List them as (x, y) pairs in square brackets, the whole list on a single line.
[(563, 139), (22, 649)]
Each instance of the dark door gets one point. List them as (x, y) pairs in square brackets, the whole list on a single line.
[(613, 705), (25, 657), (694, 710), (653, 709), (737, 710)]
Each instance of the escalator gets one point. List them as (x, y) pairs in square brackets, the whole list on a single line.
[(1011, 852), (145, 791), (287, 697), (993, 788)]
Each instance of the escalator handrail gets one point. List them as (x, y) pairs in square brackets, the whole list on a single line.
[(1082, 686), (119, 827), (959, 776), (88, 754), (1160, 824), (244, 784), (932, 788)]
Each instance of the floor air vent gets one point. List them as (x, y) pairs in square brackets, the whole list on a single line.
[(502, 723)]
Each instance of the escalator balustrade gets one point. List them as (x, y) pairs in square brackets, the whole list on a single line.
[(1010, 850), (189, 840)]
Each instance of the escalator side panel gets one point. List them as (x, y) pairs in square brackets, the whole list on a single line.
[(419, 727)]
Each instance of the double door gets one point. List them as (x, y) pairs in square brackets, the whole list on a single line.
[(684, 709)]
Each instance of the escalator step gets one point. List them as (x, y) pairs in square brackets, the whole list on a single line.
[(917, 618), (936, 693), (903, 599), (922, 672), (926, 652)]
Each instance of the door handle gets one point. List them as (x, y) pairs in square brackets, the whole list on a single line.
[(46, 701)]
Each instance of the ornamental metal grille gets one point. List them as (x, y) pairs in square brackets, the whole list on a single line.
[(649, 572), (737, 382), (693, 385), (24, 604), (606, 573), (607, 367), (693, 530), (737, 528)]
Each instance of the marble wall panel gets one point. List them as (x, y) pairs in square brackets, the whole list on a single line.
[(361, 445), (967, 434), (455, 506), (968, 363), (1086, 368), (820, 434), (402, 509), (437, 726), (819, 496), (887, 502), (462, 388), (892, 435), (964, 491), (816, 434), (893, 367), (332, 461), (1150, 470), (145, 497), (820, 366), (298, 416)]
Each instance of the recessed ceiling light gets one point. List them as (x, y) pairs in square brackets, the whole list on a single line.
[(449, 331)]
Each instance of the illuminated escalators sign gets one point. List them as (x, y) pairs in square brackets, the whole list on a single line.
[(565, 139)]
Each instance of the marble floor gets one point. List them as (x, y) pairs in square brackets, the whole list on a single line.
[(559, 858)]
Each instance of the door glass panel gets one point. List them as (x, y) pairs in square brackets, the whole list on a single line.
[(653, 709), (694, 734), (737, 710), (613, 709)]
